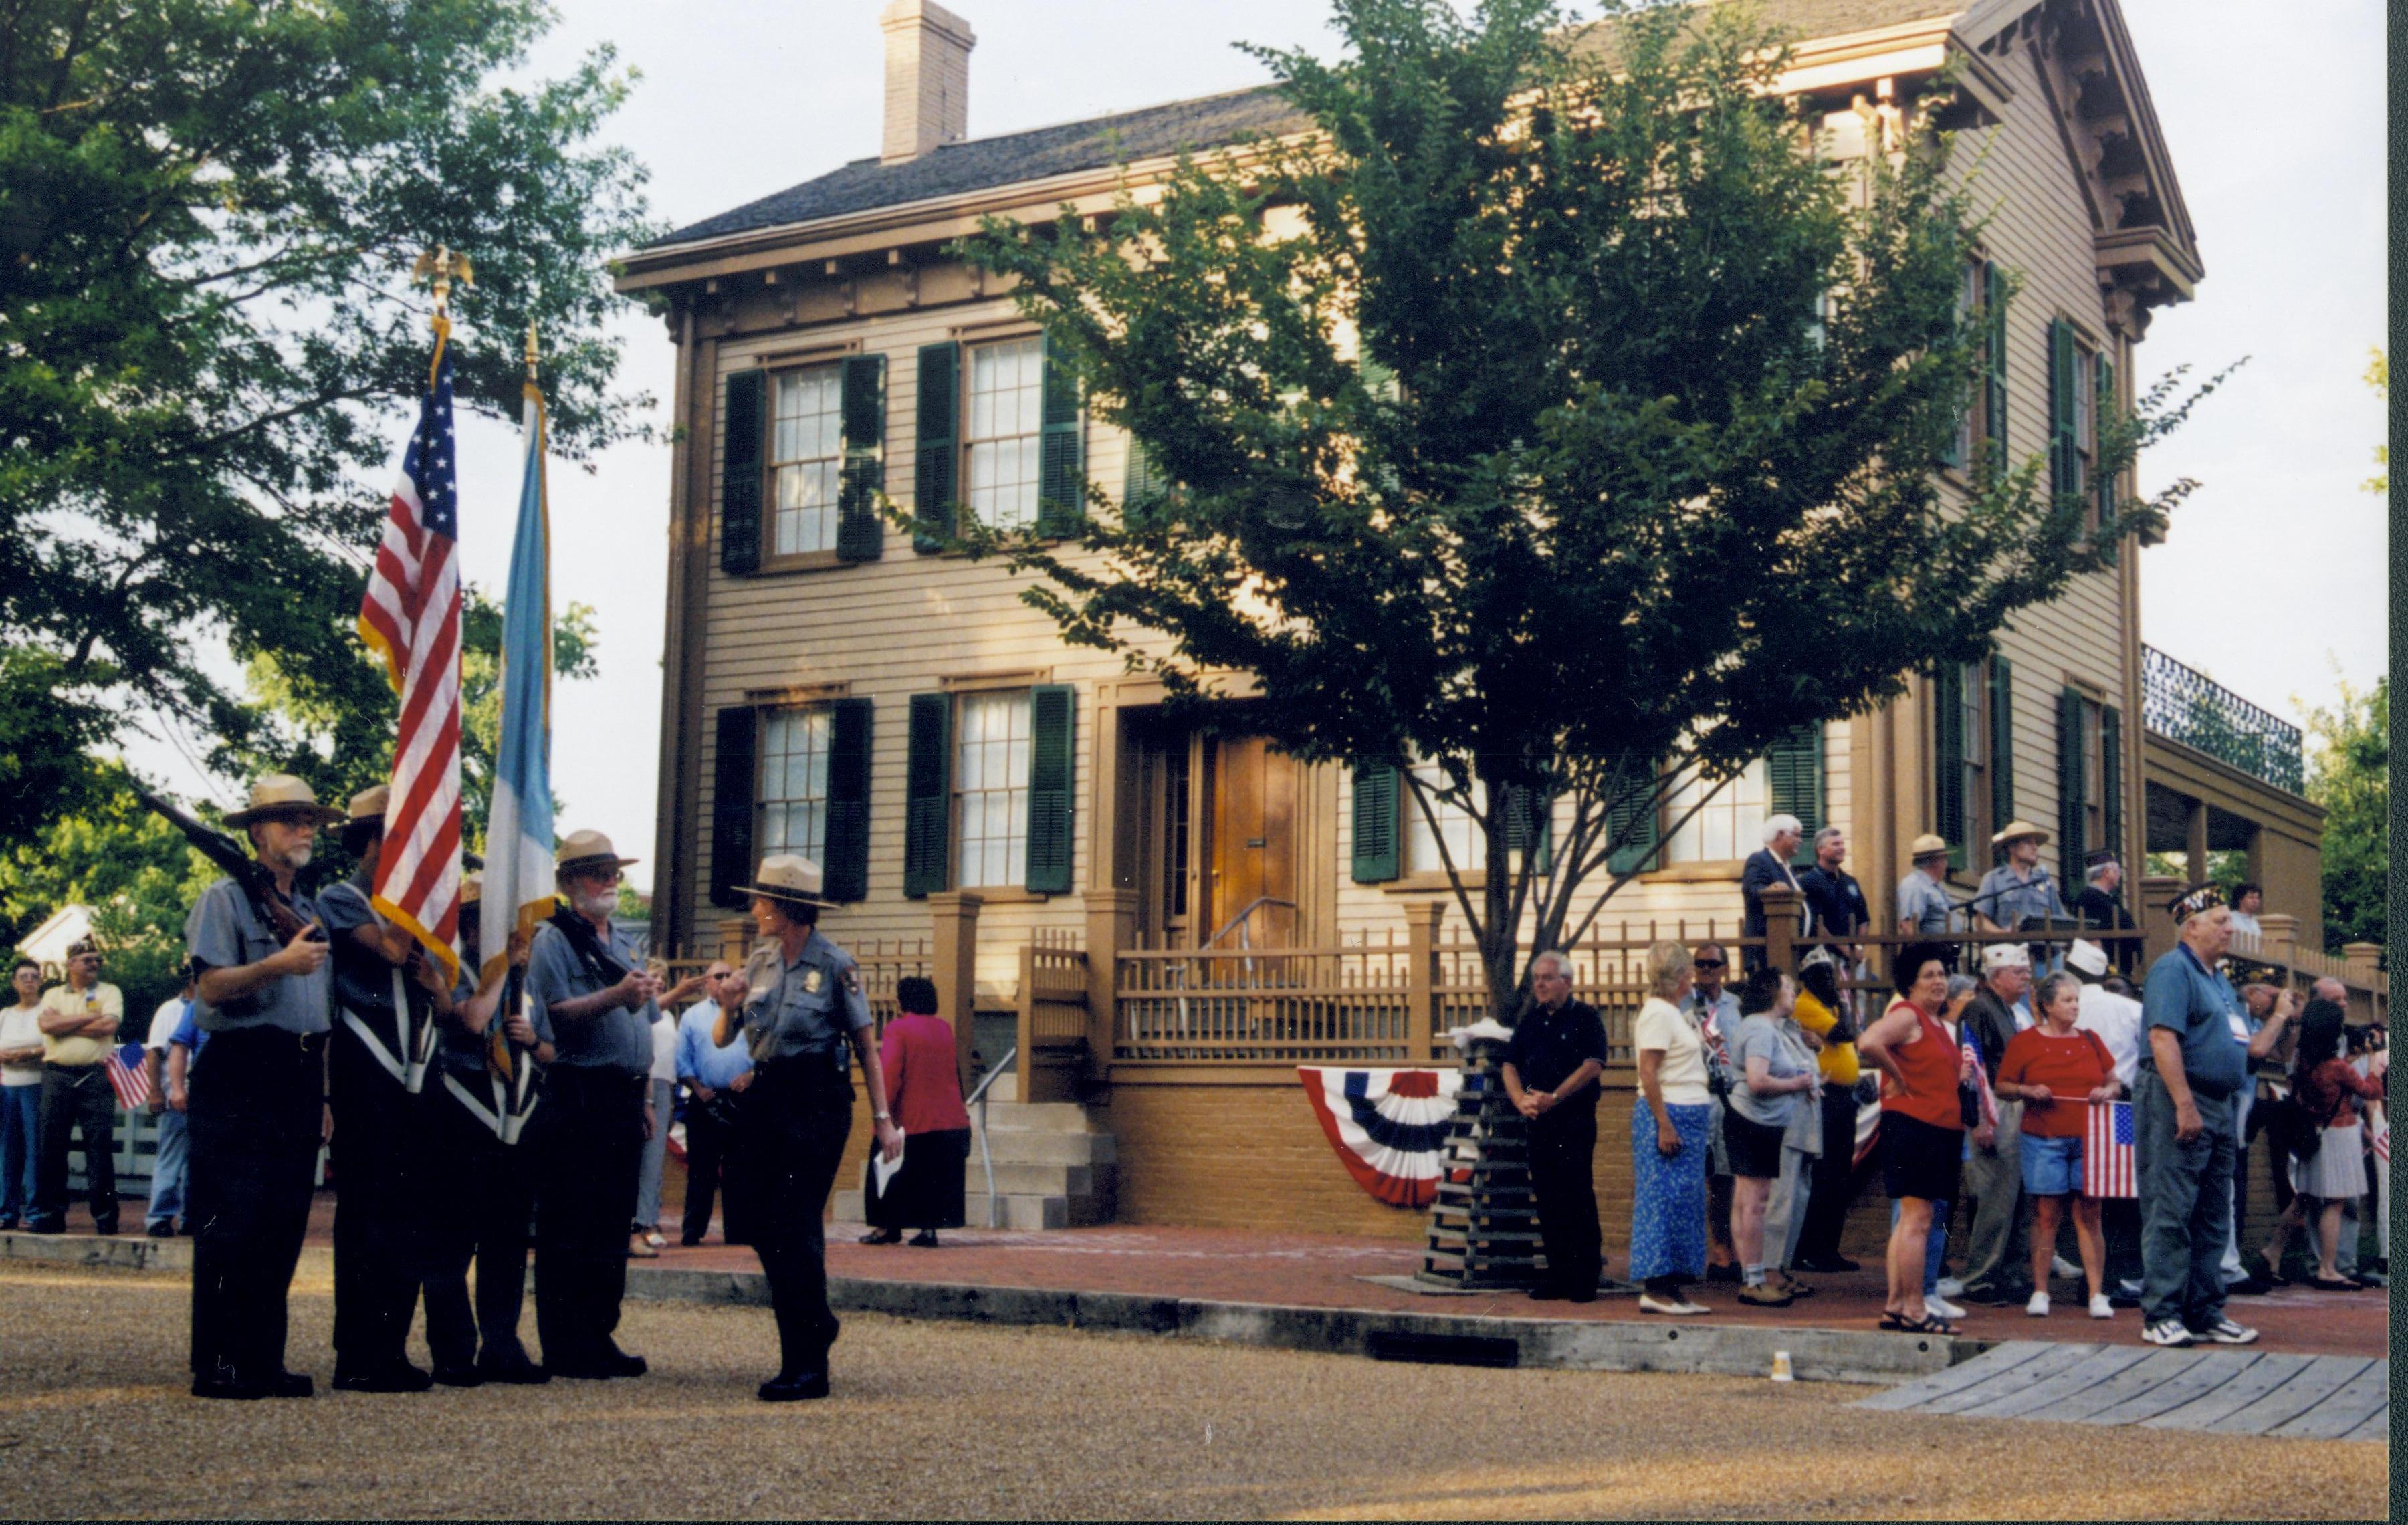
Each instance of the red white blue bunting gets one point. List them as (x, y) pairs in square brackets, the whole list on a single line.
[(1387, 1126)]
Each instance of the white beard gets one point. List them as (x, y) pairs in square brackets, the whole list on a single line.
[(298, 858), (597, 905)]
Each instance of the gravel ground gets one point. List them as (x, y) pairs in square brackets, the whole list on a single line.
[(947, 1421)]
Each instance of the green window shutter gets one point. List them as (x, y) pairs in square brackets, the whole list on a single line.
[(1052, 719), (1378, 851), (936, 462), (928, 780), (1140, 480), (2111, 777), (733, 778), (1948, 760), (1530, 827), (1994, 381), (2003, 743), (2064, 442), (742, 398), (1061, 459), (1793, 776), (1633, 831), (860, 533), (2070, 851), (847, 853), (2105, 484)]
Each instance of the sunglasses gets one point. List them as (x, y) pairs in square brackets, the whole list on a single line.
[(1709, 964)]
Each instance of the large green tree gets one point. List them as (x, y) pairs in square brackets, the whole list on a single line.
[(2349, 774), (1548, 412), (209, 211)]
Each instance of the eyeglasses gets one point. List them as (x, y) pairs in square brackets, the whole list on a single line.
[(1709, 964)]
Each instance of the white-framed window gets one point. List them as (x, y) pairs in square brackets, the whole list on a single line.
[(1005, 425), (1458, 826), (793, 792), (1969, 421), (991, 755), (2085, 408), (805, 449), (1728, 825)]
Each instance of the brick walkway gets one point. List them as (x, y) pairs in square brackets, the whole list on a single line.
[(1325, 1271)]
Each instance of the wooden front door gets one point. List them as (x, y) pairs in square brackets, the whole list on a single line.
[(1247, 844)]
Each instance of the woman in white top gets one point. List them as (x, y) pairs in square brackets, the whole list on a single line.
[(21, 1091), (1668, 1139)]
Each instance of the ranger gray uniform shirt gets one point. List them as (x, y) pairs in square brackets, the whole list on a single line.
[(616, 1040), (223, 931), (807, 1007), (1921, 900), (2007, 899)]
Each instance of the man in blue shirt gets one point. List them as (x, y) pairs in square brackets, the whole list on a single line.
[(714, 1075), (2183, 1092)]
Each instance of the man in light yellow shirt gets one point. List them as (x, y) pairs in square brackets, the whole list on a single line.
[(79, 1024)]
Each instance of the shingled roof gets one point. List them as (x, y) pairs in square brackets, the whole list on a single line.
[(1208, 121), (956, 168)]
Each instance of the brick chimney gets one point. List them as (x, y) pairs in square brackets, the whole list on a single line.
[(928, 79)]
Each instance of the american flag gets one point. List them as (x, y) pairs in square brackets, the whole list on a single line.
[(128, 1077), (411, 617), (2107, 1169)]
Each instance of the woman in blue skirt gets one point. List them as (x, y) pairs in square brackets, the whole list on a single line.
[(1668, 1139)]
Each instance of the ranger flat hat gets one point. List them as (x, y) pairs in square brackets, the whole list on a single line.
[(282, 794), (370, 803), (788, 877), (586, 849), (2019, 828), (1926, 846)]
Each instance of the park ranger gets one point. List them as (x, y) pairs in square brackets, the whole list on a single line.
[(258, 1087), (803, 1009), (387, 993)]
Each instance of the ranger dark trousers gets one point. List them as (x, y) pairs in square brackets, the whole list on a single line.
[(76, 1097), (791, 1131), (256, 1100), (491, 1189), (587, 1148), (711, 1165), (1826, 1199), (1563, 1154), (383, 1184)]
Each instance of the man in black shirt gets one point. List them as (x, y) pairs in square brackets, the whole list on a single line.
[(1551, 1070), (2101, 905), (1832, 893)]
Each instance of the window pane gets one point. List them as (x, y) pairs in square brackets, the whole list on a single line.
[(806, 437), (1728, 825), (1006, 411), (1460, 831), (793, 789), (991, 787)]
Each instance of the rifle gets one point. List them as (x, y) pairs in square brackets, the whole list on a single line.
[(270, 904)]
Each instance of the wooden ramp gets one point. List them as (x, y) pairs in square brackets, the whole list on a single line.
[(2239, 1392)]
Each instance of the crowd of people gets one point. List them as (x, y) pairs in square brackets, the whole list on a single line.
[(1745, 1131), (520, 1101)]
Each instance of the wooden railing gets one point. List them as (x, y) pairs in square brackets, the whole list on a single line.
[(1052, 1029)]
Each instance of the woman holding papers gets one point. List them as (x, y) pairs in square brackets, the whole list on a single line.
[(924, 1088)]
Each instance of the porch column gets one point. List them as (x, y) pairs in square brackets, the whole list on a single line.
[(1781, 904), (1112, 926), (2195, 842), (952, 965), (1421, 920), (2278, 937), (2364, 962)]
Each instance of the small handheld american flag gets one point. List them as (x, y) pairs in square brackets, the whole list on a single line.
[(128, 1077), (2107, 1168)]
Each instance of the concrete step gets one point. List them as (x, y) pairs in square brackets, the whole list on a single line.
[(1027, 1212), (1018, 1176), (1044, 1146), (1036, 1117)]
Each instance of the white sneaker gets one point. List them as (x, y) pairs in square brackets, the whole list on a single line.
[(2063, 1269), (1934, 1303), (2169, 1332), (1676, 1307), (2226, 1333), (2038, 1306), (2101, 1308), (1951, 1287)]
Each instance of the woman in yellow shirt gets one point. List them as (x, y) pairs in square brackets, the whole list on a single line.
[(1821, 1012)]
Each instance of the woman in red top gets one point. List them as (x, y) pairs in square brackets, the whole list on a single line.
[(2054, 1071), (1922, 1131), (924, 1092)]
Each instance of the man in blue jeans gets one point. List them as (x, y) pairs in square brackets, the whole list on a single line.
[(167, 1170), (2190, 1074)]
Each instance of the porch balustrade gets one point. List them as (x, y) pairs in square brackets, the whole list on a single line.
[(2185, 704)]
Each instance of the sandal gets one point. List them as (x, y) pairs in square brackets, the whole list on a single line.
[(1794, 1287), (1931, 1323), (882, 1237), (2341, 1284)]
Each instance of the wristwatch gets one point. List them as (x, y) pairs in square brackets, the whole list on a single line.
[(883, 1117)]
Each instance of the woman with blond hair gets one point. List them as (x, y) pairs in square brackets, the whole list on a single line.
[(1668, 1139)]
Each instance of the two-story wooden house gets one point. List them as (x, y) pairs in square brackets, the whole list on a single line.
[(834, 689)]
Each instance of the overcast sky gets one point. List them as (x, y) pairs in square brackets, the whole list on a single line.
[(2274, 574)]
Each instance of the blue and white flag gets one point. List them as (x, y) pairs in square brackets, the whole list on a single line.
[(518, 882)]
